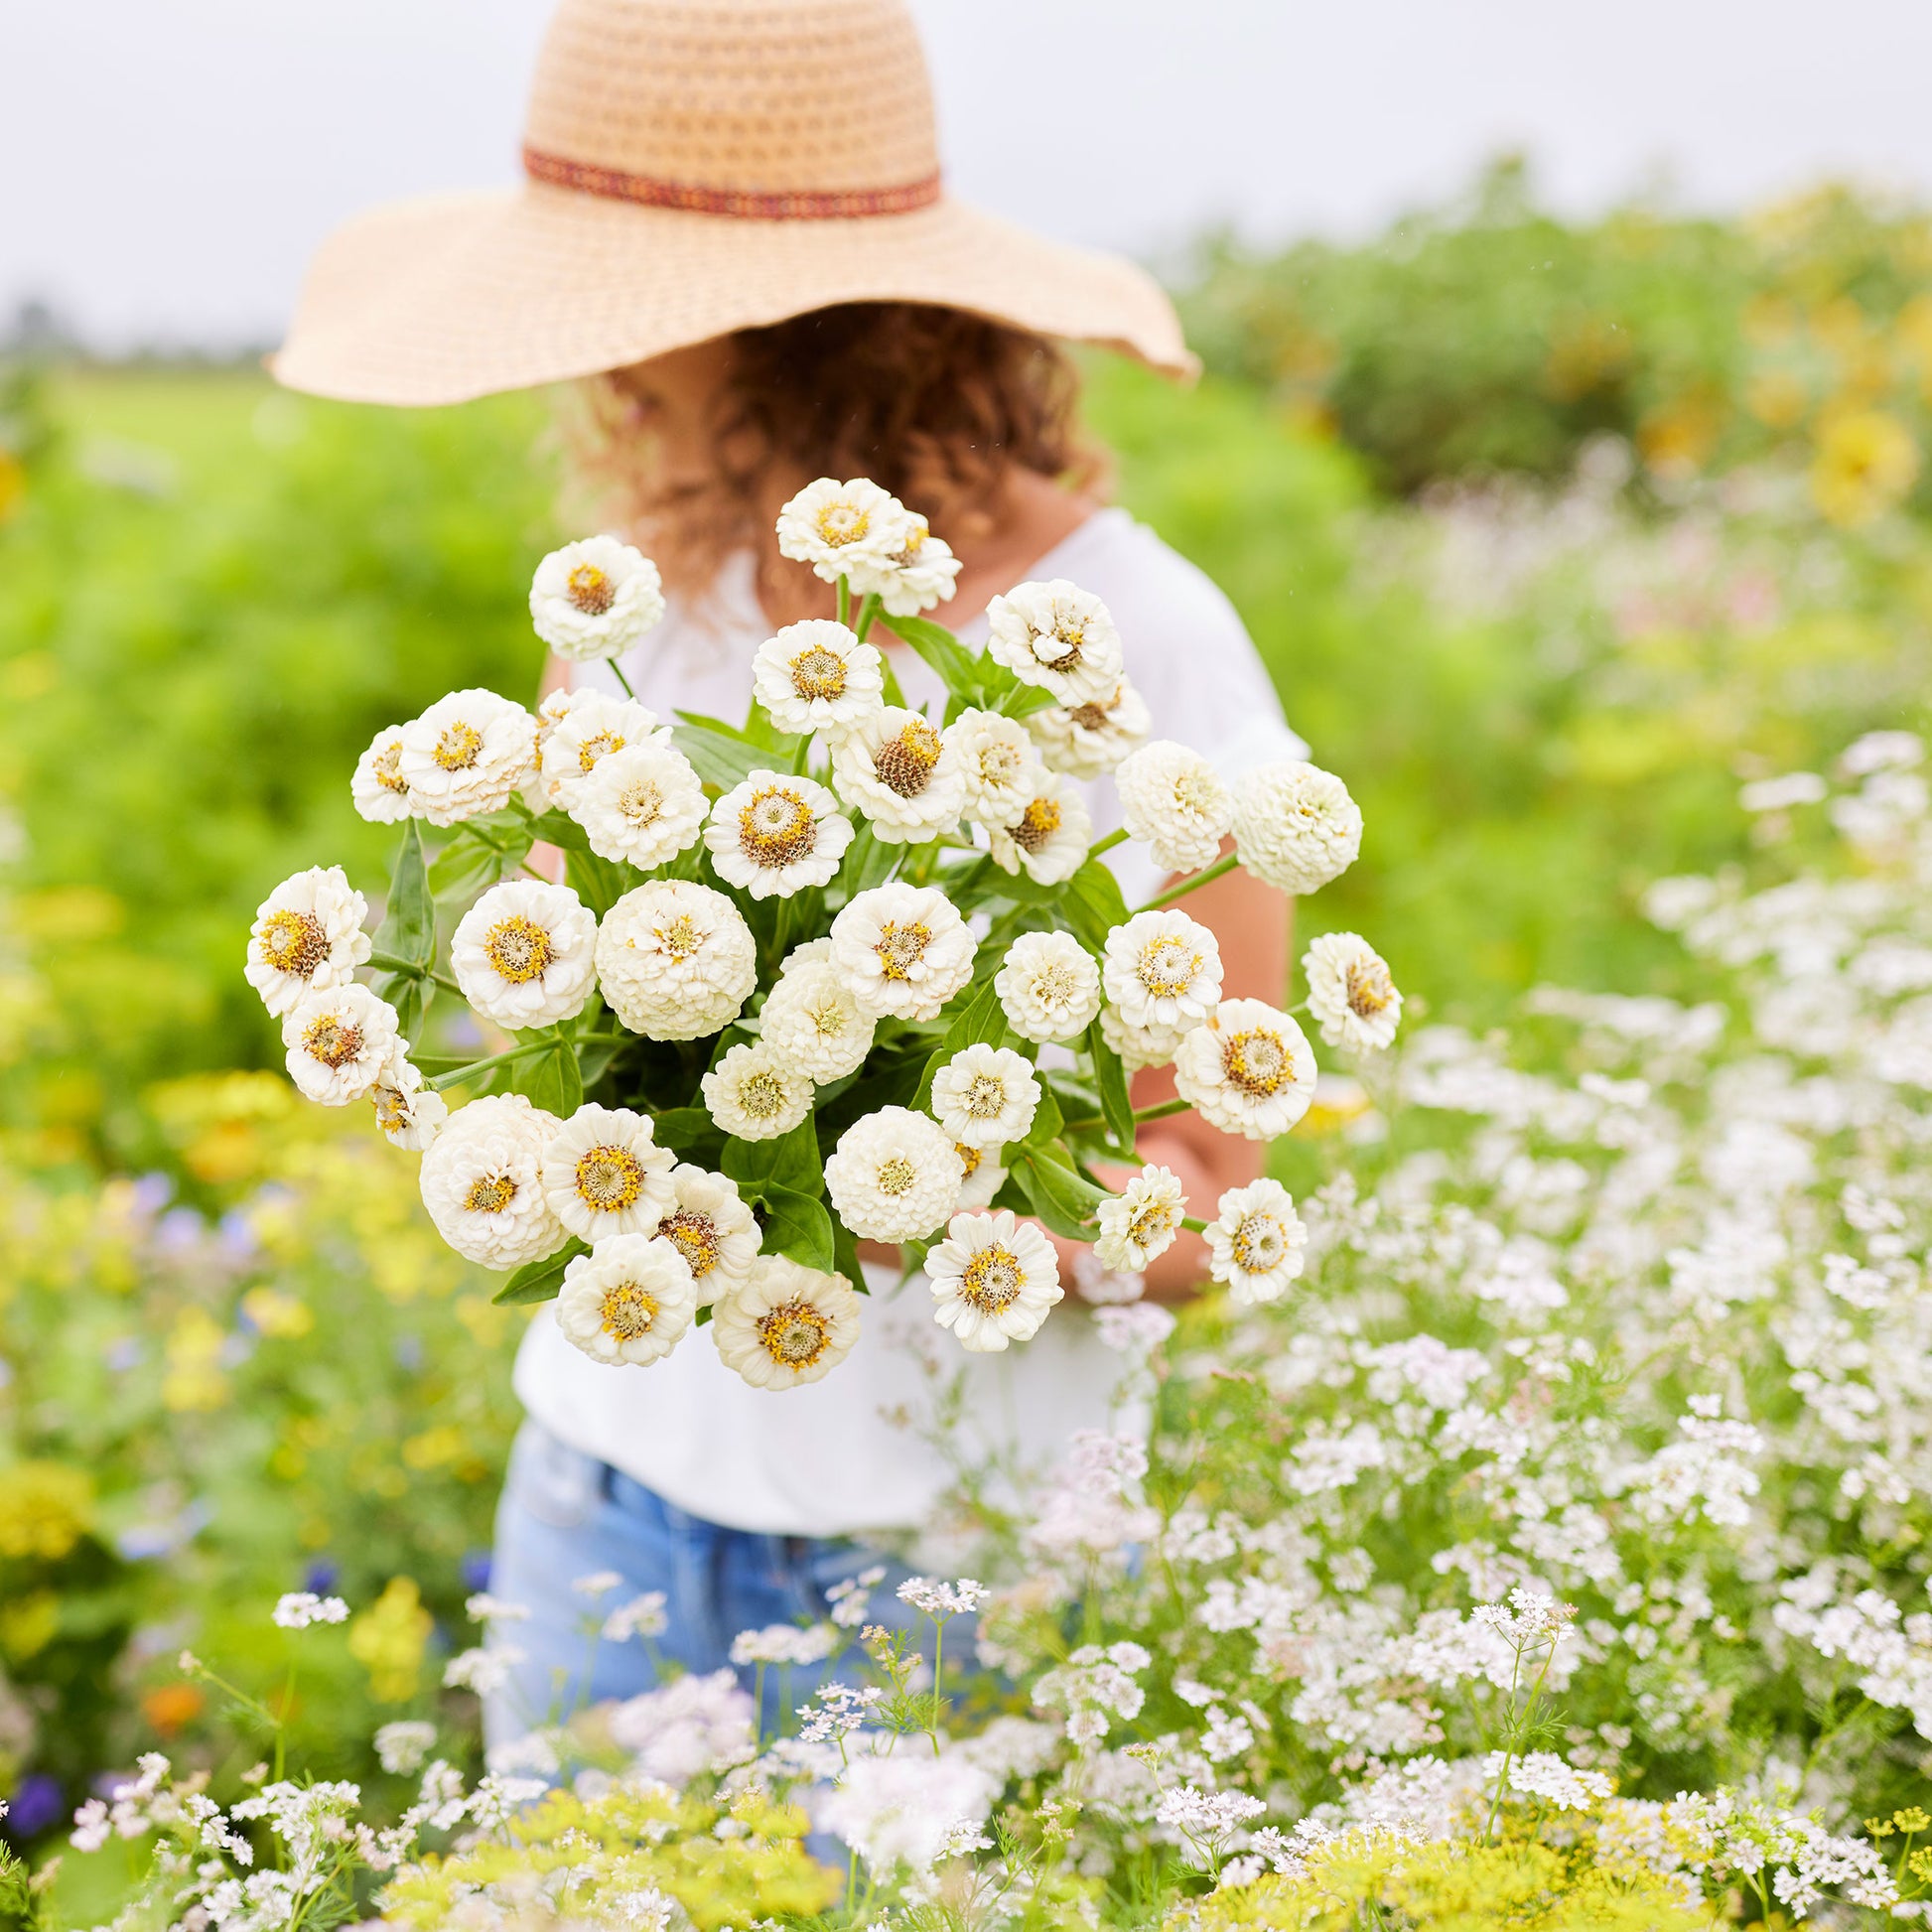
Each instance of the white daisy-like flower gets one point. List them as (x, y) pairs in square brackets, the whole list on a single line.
[(921, 573), (986, 1095), (838, 527), (811, 1020), (901, 950), (642, 805), (984, 1176), (594, 727), (817, 676), (378, 791), (1137, 1225), (308, 936), (1048, 986), (997, 764), (1351, 992), (675, 960), (605, 1174), (756, 1095), (994, 1280), (483, 1183), (787, 1325), (1140, 1046), (710, 1227), (524, 954), (1048, 839), (893, 1175), (595, 599), (630, 1299), (1087, 740), (775, 834), (1161, 972), (1174, 801), (466, 755), (898, 771), (1295, 825), (1256, 1242), (409, 1114), (1056, 635), (1248, 1069), (341, 1041)]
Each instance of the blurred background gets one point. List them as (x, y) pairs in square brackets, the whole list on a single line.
[(1562, 445)]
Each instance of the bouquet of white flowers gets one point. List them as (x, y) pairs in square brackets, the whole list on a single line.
[(792, 990)]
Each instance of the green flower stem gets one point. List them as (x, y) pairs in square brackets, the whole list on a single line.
[(389, 962), (844, 600), (1116, 837), (868, 609), (1141, 1115), (1193, 1224), (617, 671), (457, 1074), (1226, 863)]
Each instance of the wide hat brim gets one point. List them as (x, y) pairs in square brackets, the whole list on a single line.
[(451, 297)]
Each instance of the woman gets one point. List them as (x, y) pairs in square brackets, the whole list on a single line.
[(733, 237)]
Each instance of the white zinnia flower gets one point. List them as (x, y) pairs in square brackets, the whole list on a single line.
[(1057, 635), (788, 1324), (409, 1114), (605, 1174), (1248, 1069), (898, 771), (775, 834), (712, 1228), (1140, 1046), (308, 936), (1161, 972), (1139, 1224), (812, 1021), (754, 1095), (817, 676), (629, 1300), (917, 575), (483, 1183), (1048, 986), (1295, 825), (1351, 992), (675, 960), (641, 806), (378, 791), (839, 526), (595, 599), (901, 950), (1174, 800), (997, 764), (578, 740), (341, 1041), (524, 954), (1256, 1243), (466, 755), (1048, 838), (986, 1095), (984, 1176), (993, 1280), (893, 1175), (1087, 740)]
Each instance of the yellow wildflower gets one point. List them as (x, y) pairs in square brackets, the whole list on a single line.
[(194, 1378), (46, 1508), (389, 1640), (1865, 465)]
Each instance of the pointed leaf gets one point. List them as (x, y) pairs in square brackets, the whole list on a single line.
[(560, 829), (409, 921), (1056, 1192), (982, 1020), (798, 1226), (845, 1257), (958, 668), (1110, 1076), (598, 882), (539, 1281)]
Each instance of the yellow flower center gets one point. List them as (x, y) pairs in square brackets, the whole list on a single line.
[(681, 937), (1168, 967), (519, 948), (695, 1237), (777, 828), (1153, 1221), (969, 1159), (1194, 791), (386, 766), (1037, 823), (609, 1178), (590, 590), (818, 674), (842, 523), (795, 1334), (900, 947), (904, 763), (1258, 1243), (908, 552), (597, 744), (628, 1312), (986, 1097), (829, 1016), (456, 748), (489, 1193), (1000, 762), (393, 1109), (332, 1039), (641, 802), (762, 1094), (293, 944), (991, 1280), (1371, 989), (1091, 717), (1257, 1061), (897, 1174)]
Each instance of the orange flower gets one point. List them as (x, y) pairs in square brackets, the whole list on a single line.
[(172, 1707)]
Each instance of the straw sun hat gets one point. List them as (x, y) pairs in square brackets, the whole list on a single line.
[(693, 167)]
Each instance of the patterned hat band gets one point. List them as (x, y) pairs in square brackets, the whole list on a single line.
[(780, 205)]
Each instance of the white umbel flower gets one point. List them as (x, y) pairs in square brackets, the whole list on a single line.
[(1295, 825), (1140, 1046), (308, 936), (1048, 986), (641, 806), (898, 772), (817, 676), (466, 755), (994, 1281), (605, 1174), (1056, 635), (1248, 1069), (1161, 972), (1351, 992), (1087, 740), (378, 789), (409, 1114), (788, 1324), (812, 1021), (1137, 1225), (893, 1175), (595, 726), (901, 950), (838, 527), (777, 835), (341, 1041), (1174, 801), (712, 1228), (1256, 1242), (675, 960), (1048, 840), (921, 573), (629, 1301), (483, 1183), (524, 954), (754, 1095), (997, 765), (986, 1095), (595, 599)]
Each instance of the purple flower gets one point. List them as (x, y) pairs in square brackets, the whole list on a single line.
[(33, 1806)]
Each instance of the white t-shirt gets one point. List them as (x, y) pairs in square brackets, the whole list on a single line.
[(859, 1452)]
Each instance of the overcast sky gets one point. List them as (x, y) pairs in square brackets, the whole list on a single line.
[(169, 163)]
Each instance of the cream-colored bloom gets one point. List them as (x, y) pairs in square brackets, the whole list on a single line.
[(1256, 1242), (1174, 801), (605, 1174), (712, 1228), (775, 834), (918, 574), (1161, 972), (595, 726), (595, 599), (1140, 1046), (754, 1095), (838, 527), (997, 765), (466, 755), (994, 1280), (524, 954), (1248, 1069), (378, 791), (984, 1176), (893, 1175), (898, 772), (817, 676), (788, 1324), (675, 960), (812, 1021), (1056, 635), (1087, 740), (1351, 992), (1048, 986), (986, 1095), (1137, 1225), (308, 936), (1048, 840), (901, 950), (630, 1299), (483, 1183), (341, 1041), (1295, 825), (641, 806), (409, 1114)]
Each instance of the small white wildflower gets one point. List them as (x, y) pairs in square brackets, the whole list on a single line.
[(299, 1608)]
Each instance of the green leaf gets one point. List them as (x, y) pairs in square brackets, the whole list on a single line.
[(1048, 1122), (845, 1257), (1024, 699), (787, 1163), (1115, 1103), (539, 1281), (798, 1225), (560, 829), (958, 668), (550, 1080), (983, 1019), (409, 921), (1056, 1192), (598, 882), (410, 996), (868, 862), (1092, 904), (724, 755)]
